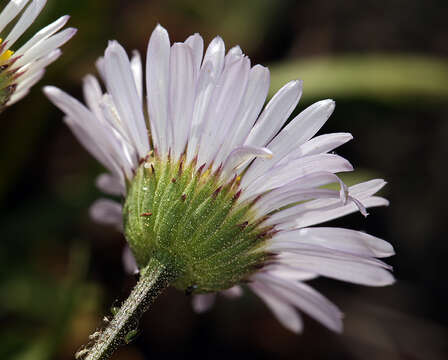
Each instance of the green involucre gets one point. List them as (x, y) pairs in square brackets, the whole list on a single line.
[(7, 88), (191, 221)]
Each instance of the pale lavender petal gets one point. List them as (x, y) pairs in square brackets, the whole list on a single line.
[(182, 93), (121, 86), (234, 292), (285, 313), (203, 302), (250, 107), (110, 185), (107, 212), (305, 299), (320, 210), (137, 71), (157, 84), (196, 43), (323, 143), (240, 156), (29, 15), (298, 131), (301, 189), (45, 46), (11, 10), (345, 267), (338, 239), (225, 102), (129, 262), (285, 174), (275, 114), (43, 34)]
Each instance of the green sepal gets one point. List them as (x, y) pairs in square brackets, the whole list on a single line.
[(191, 220)]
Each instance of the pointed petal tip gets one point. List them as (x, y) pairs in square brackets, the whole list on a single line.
[(339, 328), (112, 46), (72, 31), (64, 18), (216, 44), (50, 90), (159, 27), (261, 68), (159, 31)]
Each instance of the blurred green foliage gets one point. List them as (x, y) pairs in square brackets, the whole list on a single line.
[(389, 78)]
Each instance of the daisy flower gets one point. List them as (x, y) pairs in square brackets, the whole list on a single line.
[(21, 68), (219, 189)]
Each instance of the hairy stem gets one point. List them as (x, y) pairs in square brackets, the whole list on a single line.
[(154, 278)]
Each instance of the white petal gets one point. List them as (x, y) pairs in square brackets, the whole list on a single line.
[(100, 141), (121, 85), (367, 188), (302, 127), (345, 267), (208, 77), (182, 94), (275, 114), (99, 64), (157, 83), (250, 107), (46, 46), (223, 107), (30, 80), (31, 68), (297, 132), (17, 95), (29, 15), (285, 313), (92, 94), (10, 11), (87, 141), (43, 34), (203, 302), (321, 210), (342, 240), (107, 212), (232, 55), (196, 43), (301, 187), (137, 71), (285, 271), (324, 143), (305, 299), (240, 156), (215, 55), (332, 211), (276, 200), (286, 173)]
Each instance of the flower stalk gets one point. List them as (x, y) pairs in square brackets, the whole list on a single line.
[(154, 278)]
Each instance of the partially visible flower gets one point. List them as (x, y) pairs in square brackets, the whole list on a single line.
[(20, 69), (219, 189)]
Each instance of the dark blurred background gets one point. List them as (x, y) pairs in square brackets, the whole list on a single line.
[(385, 64)]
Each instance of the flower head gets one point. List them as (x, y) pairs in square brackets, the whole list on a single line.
[(219, 188), (21, 68)]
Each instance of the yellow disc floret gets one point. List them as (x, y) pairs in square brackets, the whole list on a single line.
[(6, 55)]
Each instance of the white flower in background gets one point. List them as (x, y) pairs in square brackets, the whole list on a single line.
[(218, 188), (21, 68)]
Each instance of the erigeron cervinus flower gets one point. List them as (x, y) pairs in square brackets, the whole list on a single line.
[(216, 189), (21, 68)]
